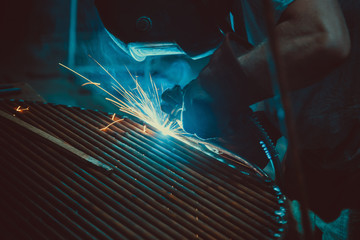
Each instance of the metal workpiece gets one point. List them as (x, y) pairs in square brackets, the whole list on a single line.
[(160, 187)]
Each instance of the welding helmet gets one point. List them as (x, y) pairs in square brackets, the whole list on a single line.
[(165, 27)]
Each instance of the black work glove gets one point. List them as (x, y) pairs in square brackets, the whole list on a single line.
[(216, 104), (194, 107), (172, 101), (221, 90), (234, 129)]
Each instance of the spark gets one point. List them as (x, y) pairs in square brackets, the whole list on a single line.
[(104, 128), (20, 109), (89, 83), (138, 102)]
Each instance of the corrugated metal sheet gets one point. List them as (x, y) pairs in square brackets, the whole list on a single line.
[(160, 187)]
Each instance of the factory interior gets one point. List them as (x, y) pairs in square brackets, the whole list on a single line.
[(76, 165)]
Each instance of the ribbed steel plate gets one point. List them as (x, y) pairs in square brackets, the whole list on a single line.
[(160, 187)]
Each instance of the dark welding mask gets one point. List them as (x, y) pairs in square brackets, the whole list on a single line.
[(144, 28)]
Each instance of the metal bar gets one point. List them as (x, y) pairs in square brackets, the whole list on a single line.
[(56, 187), (84, 197), (123, 204), (103, 142), (46, 124), (40, 218), (64, 146), (169, 147), (163, 186), (155, 157), (151, 181), (15, 225), (35, 191), (203, 167), (137, 147), (107, 204), (51, 218), (57, 132), (168, 187)]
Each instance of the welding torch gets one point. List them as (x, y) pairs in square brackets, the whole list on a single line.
[(172, 102), (215, 105)]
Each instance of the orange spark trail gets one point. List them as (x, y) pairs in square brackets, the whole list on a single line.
[(139, 103), (104, 128), (89, 83), (19, 109)]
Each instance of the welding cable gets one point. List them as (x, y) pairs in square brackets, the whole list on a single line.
[(269, 149), (278, 77)]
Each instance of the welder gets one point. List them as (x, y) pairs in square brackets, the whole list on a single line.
[(319, 44)]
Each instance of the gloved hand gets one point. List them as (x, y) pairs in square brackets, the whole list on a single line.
[(172, 101), (194, 107), (237, 130), (216, 105), (221, 90)]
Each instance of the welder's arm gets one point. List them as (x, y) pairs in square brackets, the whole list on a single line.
[(313, 40)]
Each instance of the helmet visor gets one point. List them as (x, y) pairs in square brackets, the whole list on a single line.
[(139, 51)]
